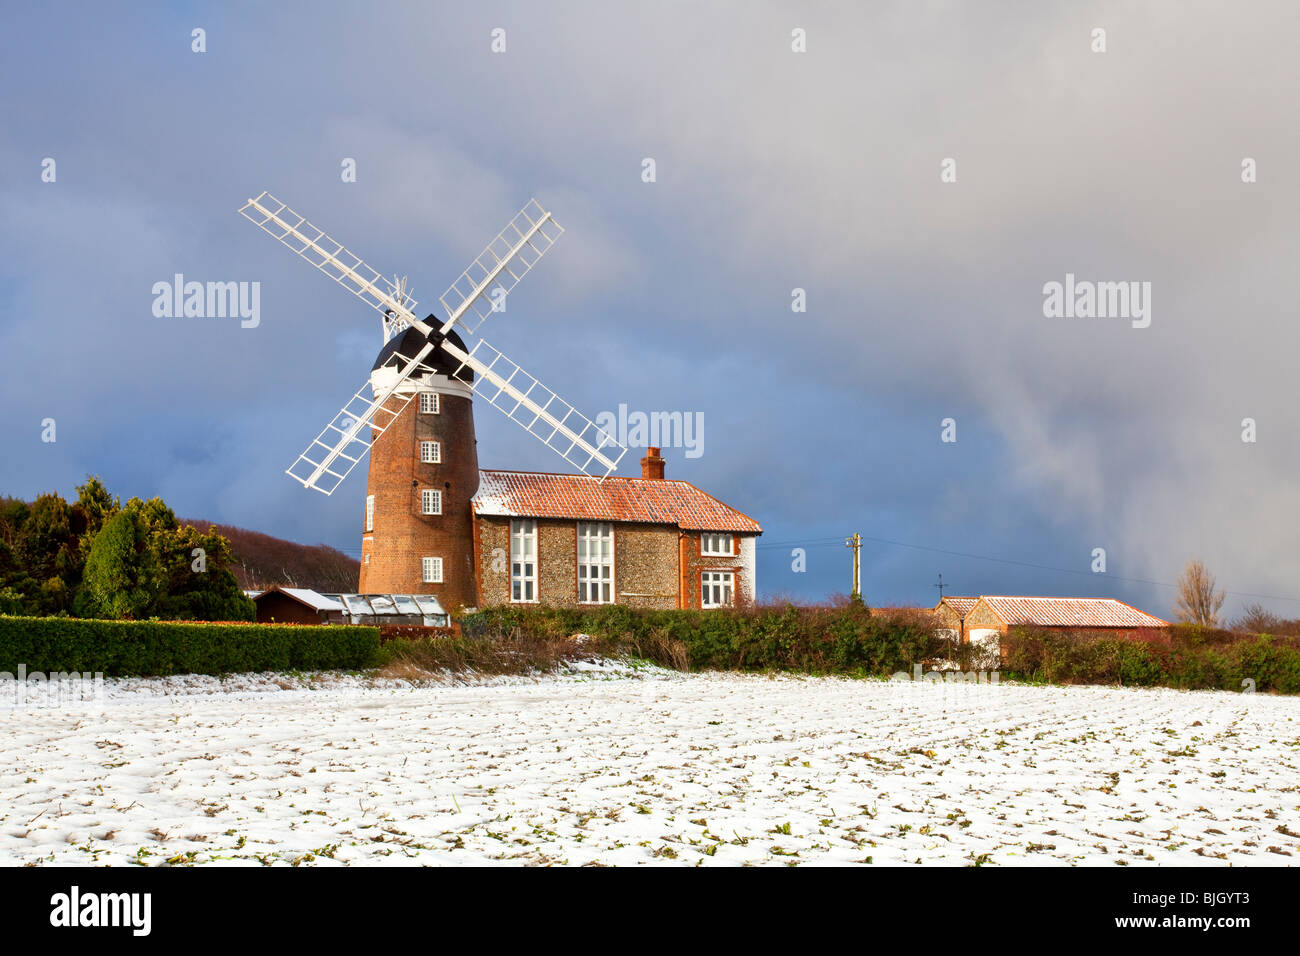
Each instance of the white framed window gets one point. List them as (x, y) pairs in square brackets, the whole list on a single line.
[(431, 501), (370, 512), (431, 452), (716, 588), (430, 403), (431, 570), (718, 545), (523, 560), (595, 562)]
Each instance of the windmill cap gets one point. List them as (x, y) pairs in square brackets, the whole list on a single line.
[(407, 345)]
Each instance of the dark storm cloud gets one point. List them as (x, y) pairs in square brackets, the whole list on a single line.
[(775, 170)]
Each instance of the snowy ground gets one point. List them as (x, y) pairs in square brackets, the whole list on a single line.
[(618, 767)]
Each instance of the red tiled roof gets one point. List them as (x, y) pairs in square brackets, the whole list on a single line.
[(961, 605), (526, 494), (1069, 612)]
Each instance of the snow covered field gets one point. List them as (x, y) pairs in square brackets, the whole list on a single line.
[(611, 766)]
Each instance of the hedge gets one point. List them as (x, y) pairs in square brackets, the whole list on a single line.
[(160, 648), (1189, 658), (845, 640)]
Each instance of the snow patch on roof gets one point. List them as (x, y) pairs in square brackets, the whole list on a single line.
[(312, 599)]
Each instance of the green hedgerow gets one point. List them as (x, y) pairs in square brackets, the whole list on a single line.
[(847, 640), (160, 648)]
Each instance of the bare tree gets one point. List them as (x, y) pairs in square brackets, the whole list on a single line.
[(1198, 602), (1256, 620)]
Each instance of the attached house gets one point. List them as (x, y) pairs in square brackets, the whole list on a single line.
[(571, 540)]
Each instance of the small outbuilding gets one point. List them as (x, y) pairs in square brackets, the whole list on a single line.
[(992, 616), (379, 610), (277, 605), (281, 605)]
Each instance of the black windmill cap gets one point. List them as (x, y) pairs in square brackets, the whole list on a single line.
[(408, 343)]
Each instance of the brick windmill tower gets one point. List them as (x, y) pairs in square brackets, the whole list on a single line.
[(418, 531)]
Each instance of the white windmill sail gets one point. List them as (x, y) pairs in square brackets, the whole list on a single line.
[(344, 441), (538, 410), (507, 259), (333, 258), (341, 445)]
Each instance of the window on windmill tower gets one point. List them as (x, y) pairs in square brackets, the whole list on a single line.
[(429, 404), (432, 570), (431, 501), (717, 588), (370, 512), (719, 545), (431, 452), (523, 560), (595, 562)]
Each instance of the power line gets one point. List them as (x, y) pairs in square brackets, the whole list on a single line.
[(831, 542)]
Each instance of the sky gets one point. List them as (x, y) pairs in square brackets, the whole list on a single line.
[(921, 171)]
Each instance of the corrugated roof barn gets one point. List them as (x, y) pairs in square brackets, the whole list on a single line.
[(1067, 612)]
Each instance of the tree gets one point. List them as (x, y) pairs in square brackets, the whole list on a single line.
[(45, 553), (45, 539), (93, 507), (98, 558), (120, 578), (19, 591), (13, 515), (1198, 602), (199, 585), (1256, 620)]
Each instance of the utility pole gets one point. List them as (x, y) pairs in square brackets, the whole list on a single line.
[(940, 586), (855, 543)]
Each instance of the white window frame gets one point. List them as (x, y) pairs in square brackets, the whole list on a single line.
[(720, 584), (595, 572), (710, 545), (431, 570), (523, 561), (425, 495), (370, 512), (431, 453), (430, 403)]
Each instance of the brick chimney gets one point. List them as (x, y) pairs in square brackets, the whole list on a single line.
[(652, 465)]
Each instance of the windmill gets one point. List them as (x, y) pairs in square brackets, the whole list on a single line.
[(418, 506), (468, 302)]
